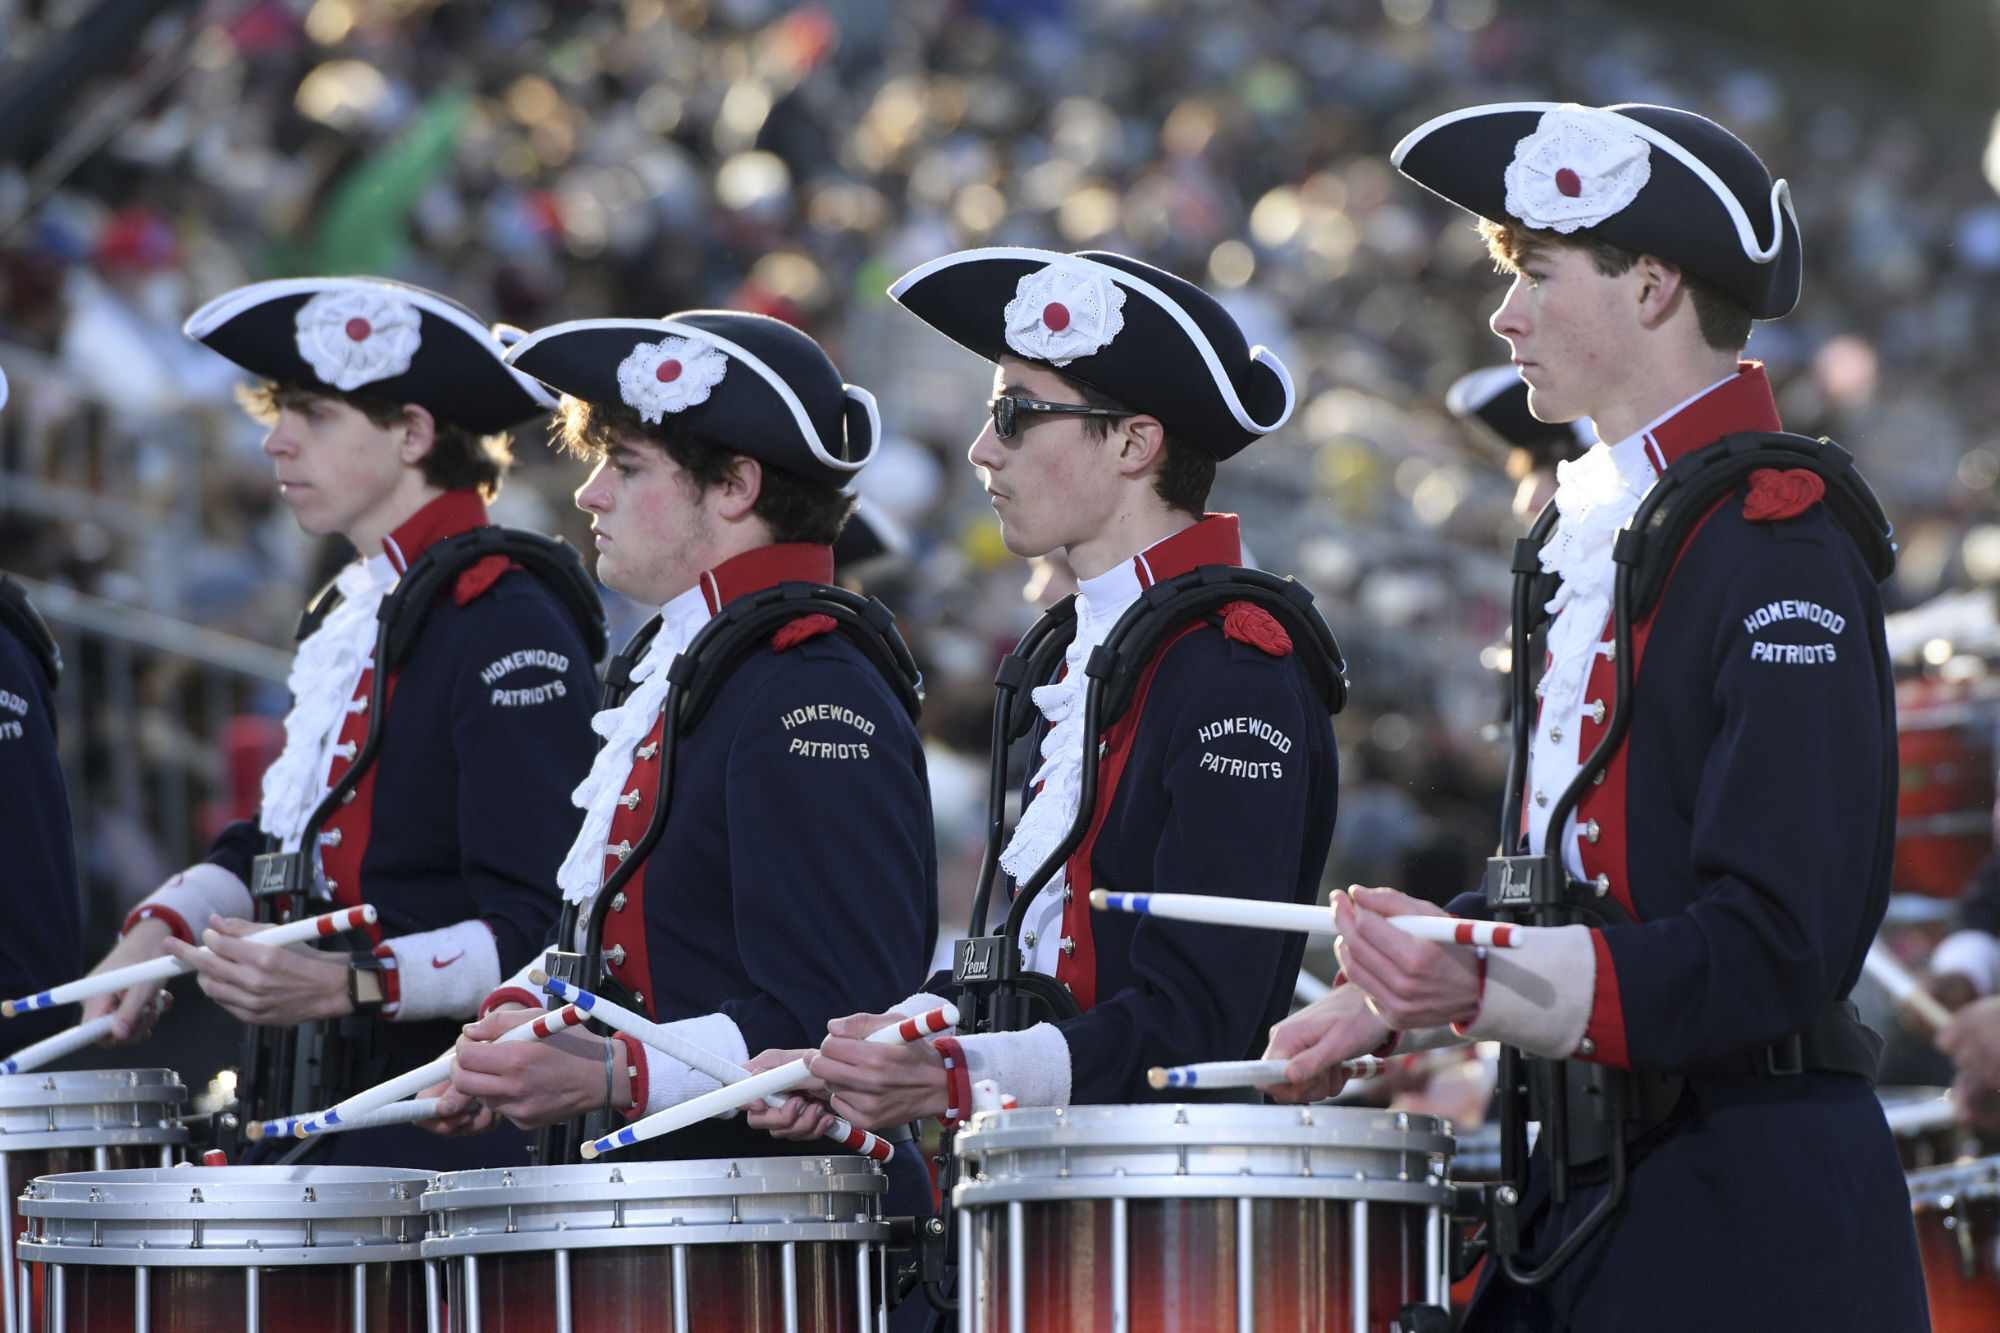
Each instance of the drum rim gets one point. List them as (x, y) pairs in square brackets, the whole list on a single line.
[(347, 1254), (1166, 1126), (101, 1137), (228, 1193), (973, 1194), (1944, 1186), (519, 1186), (654, 1236), (90, 1087)]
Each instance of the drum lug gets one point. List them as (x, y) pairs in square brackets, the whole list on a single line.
[(1968, 1249)]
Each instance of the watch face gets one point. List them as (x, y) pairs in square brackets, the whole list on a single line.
[(364, 986)]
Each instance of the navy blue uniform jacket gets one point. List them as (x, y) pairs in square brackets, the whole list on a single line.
[(1747, 823), (41, 946), (795, 880), (466, 812), (1221, 778)]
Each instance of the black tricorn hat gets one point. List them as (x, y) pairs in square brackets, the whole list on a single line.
[(748, 382), (1659, 181), (1495, 402), (370, 335), (1153, 341)]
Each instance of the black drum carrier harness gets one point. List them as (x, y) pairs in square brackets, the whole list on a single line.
[(1596, 1120)]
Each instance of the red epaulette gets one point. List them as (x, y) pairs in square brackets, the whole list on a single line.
[(479, 578), (1246, 622), (1775, 495), (795, 632)]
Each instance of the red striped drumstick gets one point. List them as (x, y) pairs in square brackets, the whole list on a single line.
[(165, 968), (782, 1079), (705, 1061), (1305, 917), (406, 1085)]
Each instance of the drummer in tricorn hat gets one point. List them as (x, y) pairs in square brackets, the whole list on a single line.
[(1117, 390), (1726, 860), (388, 407), (791, 876), (1493, 404)]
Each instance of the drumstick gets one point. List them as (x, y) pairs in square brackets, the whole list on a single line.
[(167, 967), (395, 1113), (404, 1085), (700, 1058), (782, 1079), (1300, 917), (1903, 988), (56, 1047), (1250, 1073)]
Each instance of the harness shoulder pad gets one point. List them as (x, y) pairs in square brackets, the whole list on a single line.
[(1163, 609), (549, 559), (617, 682), (747, 625), (1693, 484), (18, 614)]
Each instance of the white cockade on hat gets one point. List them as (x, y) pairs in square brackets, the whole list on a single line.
[(1580, 166), (1064, 311), (670, 375), (356, 335)]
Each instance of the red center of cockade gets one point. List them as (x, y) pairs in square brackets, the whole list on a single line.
[(359, 329), (1569, 182), (1056, 315), (669, 371)]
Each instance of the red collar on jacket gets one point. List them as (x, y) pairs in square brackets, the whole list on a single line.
[(448, 515), (1742, 402), (766, 567), (1215, 540)]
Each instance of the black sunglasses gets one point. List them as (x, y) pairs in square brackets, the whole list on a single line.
[(1007, 413)]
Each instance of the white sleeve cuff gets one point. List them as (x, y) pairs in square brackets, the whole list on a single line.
[(1032, 1066), (917, 1005), (1972, 954), (200, 890), (669, 1082), (1538, 997), (444, 973)]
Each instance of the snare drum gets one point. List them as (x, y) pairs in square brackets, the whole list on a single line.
[(1162, 1218), (1958, 1234), (760, 1245), (1925, 1123), (198, 1249), (86, 1120)]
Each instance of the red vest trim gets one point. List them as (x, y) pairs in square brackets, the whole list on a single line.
[(1078, 970), (626, 927), (1606, 1029)]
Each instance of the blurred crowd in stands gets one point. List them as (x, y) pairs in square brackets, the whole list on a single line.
[(552, 159)]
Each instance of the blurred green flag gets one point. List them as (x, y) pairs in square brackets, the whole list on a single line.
[(365, 228)]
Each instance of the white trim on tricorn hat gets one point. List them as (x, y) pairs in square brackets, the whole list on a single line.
[(1746, 232), (229, 305), (1196, 337), (777, 383)]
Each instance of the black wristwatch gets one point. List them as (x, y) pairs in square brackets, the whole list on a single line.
[(365, 988)]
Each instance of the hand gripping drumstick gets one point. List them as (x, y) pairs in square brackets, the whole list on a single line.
[(1300, 917), (165, 968), (1903, 988), (404, 1085), (772, 1081), (1250, 1073), (700, 1058), (395, 1113)]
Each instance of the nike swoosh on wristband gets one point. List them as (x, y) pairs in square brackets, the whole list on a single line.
[(447, 962)]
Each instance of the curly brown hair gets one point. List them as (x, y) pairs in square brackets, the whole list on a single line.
[(458, 457)]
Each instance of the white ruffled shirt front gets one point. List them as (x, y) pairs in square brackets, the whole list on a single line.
[(1596, 496), (324, 675), (1100, 601), (622, 728)]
